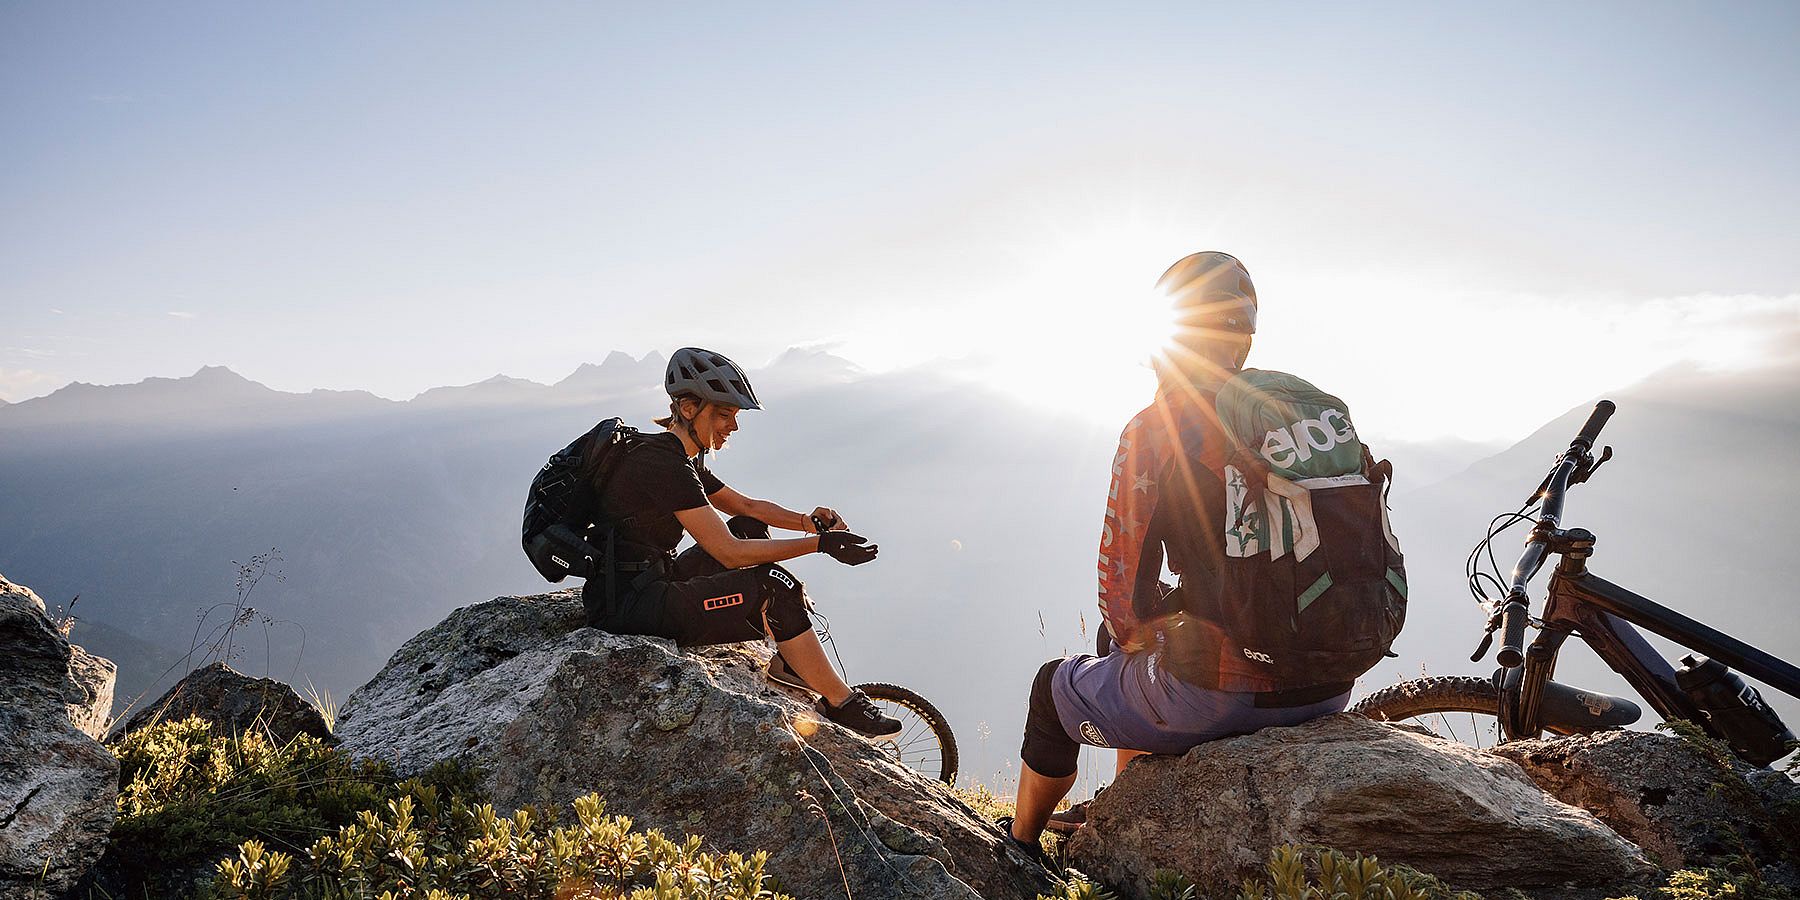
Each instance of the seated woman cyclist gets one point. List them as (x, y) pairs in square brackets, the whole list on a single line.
[(726, 588)]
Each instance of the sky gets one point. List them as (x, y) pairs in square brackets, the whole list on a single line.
[(1463, 219)]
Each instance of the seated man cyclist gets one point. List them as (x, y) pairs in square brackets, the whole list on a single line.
[(1172, 675), (727, 588)]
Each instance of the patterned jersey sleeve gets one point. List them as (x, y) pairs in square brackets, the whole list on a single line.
[(1130, 502)]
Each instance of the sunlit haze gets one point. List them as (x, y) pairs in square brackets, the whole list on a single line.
[(1464, 220)]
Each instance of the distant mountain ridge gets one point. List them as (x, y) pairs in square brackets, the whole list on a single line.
[(987, 511), (212, 390), (227, 399)]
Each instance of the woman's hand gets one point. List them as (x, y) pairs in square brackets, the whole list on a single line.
[(847, 547), (830, 519)]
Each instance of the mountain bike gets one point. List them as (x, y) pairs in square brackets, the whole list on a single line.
[(925, 743), (1520, 697)]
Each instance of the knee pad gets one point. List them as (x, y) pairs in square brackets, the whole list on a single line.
[(784, 603), (1042, 702), (748, 528), (1047, 748)]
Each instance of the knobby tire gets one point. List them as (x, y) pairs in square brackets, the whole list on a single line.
[(1426, 696), (932, 727)]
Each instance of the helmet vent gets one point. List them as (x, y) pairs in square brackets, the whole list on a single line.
[(716, 385)]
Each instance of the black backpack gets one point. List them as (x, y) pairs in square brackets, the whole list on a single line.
[(564, 500)]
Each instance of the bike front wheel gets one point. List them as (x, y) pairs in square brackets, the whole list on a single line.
[(925, 743), (1459, 707)]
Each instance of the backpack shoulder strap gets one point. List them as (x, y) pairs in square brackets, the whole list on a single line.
[(625, 441), (1248, 461)]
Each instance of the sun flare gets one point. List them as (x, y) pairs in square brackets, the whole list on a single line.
[(1089, 322)]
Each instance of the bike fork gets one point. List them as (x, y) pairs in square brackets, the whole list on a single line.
[(1521, 690)]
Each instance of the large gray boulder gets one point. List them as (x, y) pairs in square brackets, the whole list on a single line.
[(58, 785), (1686, 807), (683, 741), (1345, 782), (234, 703)]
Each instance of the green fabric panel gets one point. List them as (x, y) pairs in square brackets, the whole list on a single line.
[(1301, 431), (1312, 593), (1399, 583)]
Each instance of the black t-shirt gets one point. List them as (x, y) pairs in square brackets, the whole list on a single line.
[(654, 481)]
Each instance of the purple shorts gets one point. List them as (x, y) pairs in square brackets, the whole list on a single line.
[(1119, 700)]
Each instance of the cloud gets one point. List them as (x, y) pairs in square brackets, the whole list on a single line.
[(24, 384), (32, 352), (179, 314)]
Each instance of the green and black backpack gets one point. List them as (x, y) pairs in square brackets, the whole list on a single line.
[(1282, 540)]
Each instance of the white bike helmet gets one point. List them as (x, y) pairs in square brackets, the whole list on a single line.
[(709, 376)]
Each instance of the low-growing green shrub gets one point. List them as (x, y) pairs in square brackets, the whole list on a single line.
[(1715, 884), (986, 803), (188, 796), (1076, 886), (1310, 873), (424, 847)]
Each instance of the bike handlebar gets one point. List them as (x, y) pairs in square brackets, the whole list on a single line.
[(1512, 643), (1517, 612), (1596, 421)]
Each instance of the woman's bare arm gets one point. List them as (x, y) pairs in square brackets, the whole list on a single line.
[(732, 552), (730, 502)]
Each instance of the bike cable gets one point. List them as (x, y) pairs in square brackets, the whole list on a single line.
[(824, 631), (1476, 578)]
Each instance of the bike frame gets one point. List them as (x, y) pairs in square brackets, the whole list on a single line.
[(1602, 614)]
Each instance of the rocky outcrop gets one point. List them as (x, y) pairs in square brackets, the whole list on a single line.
[(57, 783), (684, 741), (88, 694), (1686, 808), (234, 703), (1355, 785)]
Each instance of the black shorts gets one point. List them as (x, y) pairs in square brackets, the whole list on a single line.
[(701, 602)]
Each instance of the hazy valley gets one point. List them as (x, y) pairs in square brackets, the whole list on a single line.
[(139, 498)]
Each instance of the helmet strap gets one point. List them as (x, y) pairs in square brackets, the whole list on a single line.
[(1243, 355), (687, 423)]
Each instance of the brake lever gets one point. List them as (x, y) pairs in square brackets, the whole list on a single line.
[(1487, 639), (1481, 650), (1587, 471)]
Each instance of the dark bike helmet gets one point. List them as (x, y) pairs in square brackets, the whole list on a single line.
[(709, 376), (1211, 291)]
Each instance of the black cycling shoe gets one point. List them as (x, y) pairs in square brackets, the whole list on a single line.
[(1033, 851), (859, 714), (779, 673)]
